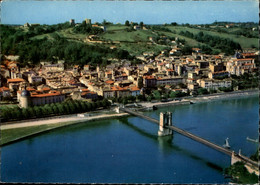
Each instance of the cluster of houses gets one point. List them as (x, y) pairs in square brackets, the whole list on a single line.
[(51, 83)]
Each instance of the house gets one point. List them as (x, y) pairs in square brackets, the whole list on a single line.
[(27, 98), (54, 67), (14, 84), (4, 92), (137, 27), (107, 92), (197, 50), (120, 91), (216, 67), (85, 93), (214, 84), (241, 66), (135, 91), (169, 80), (175, 51), (149, 81), (217, 74), (34, 79)]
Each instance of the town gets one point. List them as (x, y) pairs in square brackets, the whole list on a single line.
[(129, 92), (164, 77)]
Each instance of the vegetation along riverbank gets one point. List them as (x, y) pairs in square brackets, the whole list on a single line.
[(14, 131)]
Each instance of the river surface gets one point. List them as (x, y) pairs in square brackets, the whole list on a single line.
[(127, 150)]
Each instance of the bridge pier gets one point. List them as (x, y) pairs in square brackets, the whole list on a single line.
[(165, 120)]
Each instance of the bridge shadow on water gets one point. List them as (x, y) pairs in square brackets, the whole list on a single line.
[(166, 144)]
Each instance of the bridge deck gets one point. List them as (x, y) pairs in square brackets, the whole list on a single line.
[(194, 137)]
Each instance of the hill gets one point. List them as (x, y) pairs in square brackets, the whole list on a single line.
[(83, 43)]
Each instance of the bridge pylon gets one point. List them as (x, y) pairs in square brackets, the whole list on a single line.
[(165, 120)]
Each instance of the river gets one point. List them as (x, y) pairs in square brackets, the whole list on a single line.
[(127, 150)]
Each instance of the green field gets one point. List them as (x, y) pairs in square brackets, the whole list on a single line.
[(243, 41), (137, 42), (10, 135), (123, 35)]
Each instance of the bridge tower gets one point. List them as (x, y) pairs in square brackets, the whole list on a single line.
[(165, 120)]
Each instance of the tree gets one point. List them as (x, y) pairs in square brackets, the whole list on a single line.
[(202, 91), (211, 91), (141, 24), (157, 94), (127, 23), (6, 114), (149, 98), (140, 83), (173, 94), (174, 24), (38, 111), (25, 113)]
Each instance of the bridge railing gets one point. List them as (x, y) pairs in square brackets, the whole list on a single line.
[(194, 137)]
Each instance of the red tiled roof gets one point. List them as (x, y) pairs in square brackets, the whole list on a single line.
[(149, 77), (117, 88), (16, 80), (4, 89), (217, 57), (84, 90), (30, 89), (47, 94), (46, 89), (248, 54), (242, 59), (248, 64), (217, 72), (109, 82), (134, 89)]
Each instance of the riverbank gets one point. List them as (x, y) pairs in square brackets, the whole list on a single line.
[(11, 132), (15, 132), (201, 98)]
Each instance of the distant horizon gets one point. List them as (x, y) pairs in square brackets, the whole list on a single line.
[(18, 12), (130, 22)]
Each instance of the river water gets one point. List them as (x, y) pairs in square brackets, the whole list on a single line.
[(127, 150)]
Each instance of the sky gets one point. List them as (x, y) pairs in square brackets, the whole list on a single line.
[(150, 12)]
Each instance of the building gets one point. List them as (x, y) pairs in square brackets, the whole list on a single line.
[(240, 66), (88, 21), (27, 98), (137, 27), (216, 67), (135, 91), (14, 84), (149, 81), (169, 80), (34, 79), (4, 92), (214, 84), (72, 22), (54, 67), (218, 74), (88, 94)]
